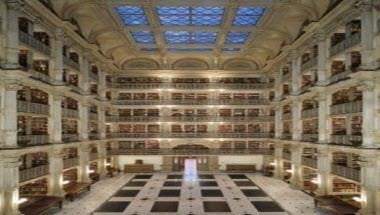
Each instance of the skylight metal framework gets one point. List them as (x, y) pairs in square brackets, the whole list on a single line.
[(194, 27)]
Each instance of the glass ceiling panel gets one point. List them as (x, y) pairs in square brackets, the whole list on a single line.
[(143, 37), (248, 16), (237, 37), (196, 16), (186, 37), (132, 15)]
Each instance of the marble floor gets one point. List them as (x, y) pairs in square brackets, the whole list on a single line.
[(205, 193)]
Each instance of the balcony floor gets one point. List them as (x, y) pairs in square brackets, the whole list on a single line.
[(237, 199)]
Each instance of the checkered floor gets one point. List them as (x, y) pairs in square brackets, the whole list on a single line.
[(161, 193)]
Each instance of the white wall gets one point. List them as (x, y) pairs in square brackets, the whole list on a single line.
[(156, 160), (240, 159)]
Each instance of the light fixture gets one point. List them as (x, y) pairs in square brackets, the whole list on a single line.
[(357, 199), (272, 163), (289, 170), (315, 181), (108, 164), (22, 200), (65, 182), (91, 171)]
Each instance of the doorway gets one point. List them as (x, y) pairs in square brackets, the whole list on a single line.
[(190, 169)]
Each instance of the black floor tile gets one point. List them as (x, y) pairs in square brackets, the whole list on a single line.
[(172, 184), (244, 183), (165, 207), (126, 193), (208, 183), (169, 193), (175, 177), (136, 184), (206, 176), (216, 207), (238, 176), (142, 176), (254, 193), (113, 207), (211, 193), (267, 206)]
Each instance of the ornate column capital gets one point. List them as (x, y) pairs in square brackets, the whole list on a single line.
[(367, 85), (12, 85), (365, 6), (320, 36), (59, 34), (11, 161), (17, 5)]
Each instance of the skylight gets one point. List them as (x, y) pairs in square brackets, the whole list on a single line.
[(187, 37), (236, 37), (190, 49), (143, 37), (248, 16), (132, 15), (195, 16)]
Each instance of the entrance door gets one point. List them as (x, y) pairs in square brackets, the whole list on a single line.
[(190, 170)]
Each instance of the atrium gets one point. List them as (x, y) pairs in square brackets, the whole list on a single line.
[(196, 107)]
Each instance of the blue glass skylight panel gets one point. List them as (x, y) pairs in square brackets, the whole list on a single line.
[(237, 37), (186, 37), (248, 16), (132, 15), (197, 16), (143, 37), (149, 49)]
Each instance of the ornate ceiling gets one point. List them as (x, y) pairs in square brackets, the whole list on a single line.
[(211, 32)]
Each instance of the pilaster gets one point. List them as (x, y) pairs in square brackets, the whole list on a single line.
[(324, 159), (55, 187), (84, 161), (278, 163), (10, 175), (12, 31), (9, 113), (55, 119)]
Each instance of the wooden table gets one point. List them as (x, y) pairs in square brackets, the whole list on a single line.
[(75, 189), (138, 168), (40, 204)]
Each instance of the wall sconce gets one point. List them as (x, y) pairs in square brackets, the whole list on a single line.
[(315, 181), (289, 171), (91, 171), (65, 182), (272, 164), (22, 200), (357, 199)]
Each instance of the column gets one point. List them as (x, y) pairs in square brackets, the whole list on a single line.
[(55, 187), (12, 34), (10, 174), (83, 121), (278, 163), (84, 161), (102, 122), (84, 83), (324, 159), (323, 118), (56, 58), (367, 34), (102, 159), (115, 158), (9, 113), (278, 122), (296, 72), (102, 83), (55, 119), (296, 120), (297, 173), (369, 114), (278, 85), (370, 179), (321, 39)]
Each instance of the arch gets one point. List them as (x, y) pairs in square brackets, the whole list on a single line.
[(190, 64), (240, 64), (141, 64)]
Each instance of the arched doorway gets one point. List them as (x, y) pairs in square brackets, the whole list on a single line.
[(190, 152)]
